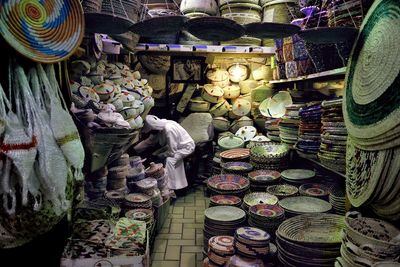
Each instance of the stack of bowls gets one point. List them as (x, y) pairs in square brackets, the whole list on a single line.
[(337, 198), (315, 190), (252, 242), (261, 179), (289, 126), (255, 198), (222, 220), (228, 184), (220, 249), (137, 201), (149, 187), (237, 167), (116, 178), (240, 261), (266, 217), (282, 190), (225, 200), (144, 215), (272, 126), (368, 240), (116, 196), (95, 188), (272, 156)]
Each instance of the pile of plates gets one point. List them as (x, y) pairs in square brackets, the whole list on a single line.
[(271, 156), (240, 261), (272, 126), (220, 249), (237, 167), (252, 242), (309, 139), (266, 217), (237, 154), (283, 190), (137, 201), (225, 200), (298, 176), (144, 215), (261, 179), (337, 198), (258, 198), (289, 126), (95, 188), (332, 152), (228, 184), (301, 205), (222, 220), (310, 240), (315, 190)]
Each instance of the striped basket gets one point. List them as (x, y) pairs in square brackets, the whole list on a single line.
[(92, 6)]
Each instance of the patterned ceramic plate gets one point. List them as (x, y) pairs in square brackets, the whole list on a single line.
[(137, 198), (267, 211), (260, 198), (236, 153), (264, 175), (305, 205), (251, 233), (224, 214), (222, 244), (314, 190), (139, 214), (147, 183), (282, 190), (225, 200), (298, 174), (228, 182), (237, 166)]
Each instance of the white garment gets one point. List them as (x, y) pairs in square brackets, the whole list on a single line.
[(179, 145)]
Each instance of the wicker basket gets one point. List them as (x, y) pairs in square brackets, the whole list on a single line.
[(129, 40), (92, 6), (122, 8)]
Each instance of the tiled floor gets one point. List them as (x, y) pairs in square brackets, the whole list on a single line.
[(180, 242)]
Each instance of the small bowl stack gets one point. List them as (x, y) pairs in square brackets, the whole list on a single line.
[(239, 261), (222, 220), (332, 152), (252, 242), (314, 190), (228, 184), (137, 201), (271, 156), (255, 198), (220, 249), (225, 200), (289, 126), (116, 178), (309, 139), (144, 215), (337, 198), (116, 196), (149, 187), (237, 167), (282, 190), (266, 217), (272, 126), (261, 179), (95, 188)]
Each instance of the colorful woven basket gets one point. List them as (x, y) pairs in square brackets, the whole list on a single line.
[(44, 31)]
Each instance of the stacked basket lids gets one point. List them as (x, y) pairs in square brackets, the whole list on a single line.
[(137, 201), (337, 198), (145, 215), (252, 242), (222, 220), (310, 240), (228, 184), (367, 241), (289, 126), (332, 152), (266, 217), (220, 249)]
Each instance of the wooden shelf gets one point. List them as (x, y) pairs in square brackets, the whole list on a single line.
[(340, 71), (199, 50), (319, 164)]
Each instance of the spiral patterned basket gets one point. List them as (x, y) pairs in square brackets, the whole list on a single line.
[(44, 31)]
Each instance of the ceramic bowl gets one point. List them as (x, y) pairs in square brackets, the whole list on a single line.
[(212, 93), (105, 91), (221, 124), (238, 72), (127, 99), (129, 112), (118, 104), (282, 190), (231, 91), (88, 94), (96, 78), (220, 109)]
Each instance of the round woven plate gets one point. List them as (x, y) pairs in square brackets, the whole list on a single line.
[(253, 234), (314, 190), (267, 211), (246, 132), (236, 153), (214, 28), (327, 35), (225, 200), (228, 182), (297, 174), (159, 26), (224, 214), (259, 198), (271, 29), (264, 175), (237, 166), (43, 31), (371, 101), (302, 204)]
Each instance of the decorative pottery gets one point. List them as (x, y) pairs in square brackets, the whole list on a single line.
[(230, 142), (220, 108), (221, 124), (238, 72), (301, 205), (247, 86), (259, 198), (261, 93), (314, 190), (242, 13), (242, 122), (198, 105), (264, 176), (246, 133), (236, 167), (231, 91), (105, 91), (241, 107), (212, 93), (236, 154), (226, 182), (220, 200), (219, 77), (294, 175)]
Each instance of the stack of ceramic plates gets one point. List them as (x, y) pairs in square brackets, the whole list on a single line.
[(237, 167), (289, 126), (228, 184), (237, 154), (95, 188), (310, 240), (220, 249), (116, 196), (332, 152), (258, 198), (283, 190), (298, 176), (222, 220), (252, 242), (266, 217), (225, 200), (337, 198), (137, 201), (301, 205), (240, 261), (272, 126), (261, 179), (271, 156), (314, 190), (309, 139), (144, 215)]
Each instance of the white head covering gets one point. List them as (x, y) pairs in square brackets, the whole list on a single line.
[(153, 123)]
